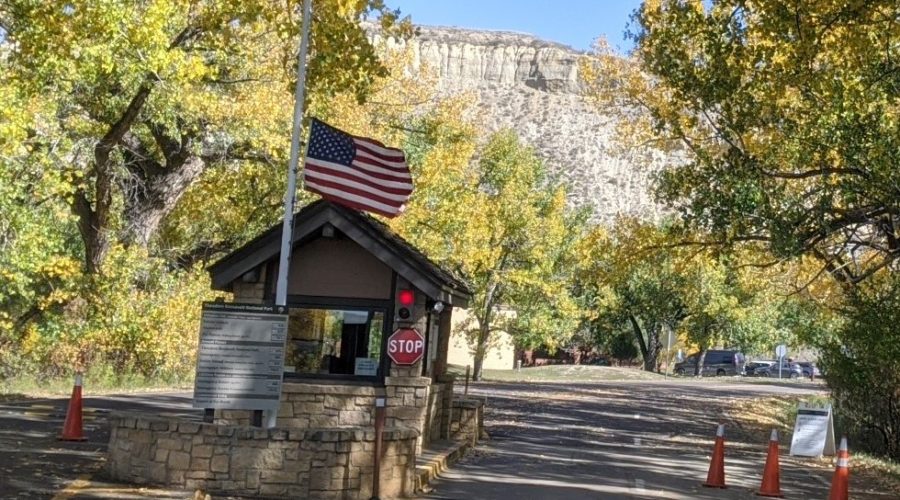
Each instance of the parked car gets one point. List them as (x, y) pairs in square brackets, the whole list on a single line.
[(751, 368), (810, 370), (789, 369), (718, 363)]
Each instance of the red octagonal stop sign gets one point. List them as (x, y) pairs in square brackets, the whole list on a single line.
[(406, 346)]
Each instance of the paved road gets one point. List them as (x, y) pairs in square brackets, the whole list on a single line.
[(621, 440), (35, 465), (607, 440)]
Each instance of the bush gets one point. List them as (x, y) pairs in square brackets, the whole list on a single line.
[(138, 318), (622, 348), (862, 366)]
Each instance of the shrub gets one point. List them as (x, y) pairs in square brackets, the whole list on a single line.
[(862, 366)]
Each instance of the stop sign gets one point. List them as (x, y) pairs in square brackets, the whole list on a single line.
[(406, 346)]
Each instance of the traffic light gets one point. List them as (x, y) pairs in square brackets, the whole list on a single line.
[(406, 298)]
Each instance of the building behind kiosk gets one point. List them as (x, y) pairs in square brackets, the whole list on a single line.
[(347, 274)]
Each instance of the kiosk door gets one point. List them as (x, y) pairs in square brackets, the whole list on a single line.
[(354, 344)]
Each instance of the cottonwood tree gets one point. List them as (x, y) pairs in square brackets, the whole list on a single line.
[(502, 224), (138, 99), (786, 117), (642, 277)]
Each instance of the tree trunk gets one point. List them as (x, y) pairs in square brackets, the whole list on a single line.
[(480, 351), (701, 356), (639, 335), (151, 198), (92, 225), (654, 346), (484, 330)]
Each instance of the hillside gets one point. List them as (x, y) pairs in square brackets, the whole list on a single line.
[(532, 86)]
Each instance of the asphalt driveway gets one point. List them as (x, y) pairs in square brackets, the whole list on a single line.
[(634, 439)]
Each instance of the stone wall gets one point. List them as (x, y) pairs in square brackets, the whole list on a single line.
[(317, 405), (407, 404), (438, 412), (250, 293), (467, 422), (412, 402), (297, 463)]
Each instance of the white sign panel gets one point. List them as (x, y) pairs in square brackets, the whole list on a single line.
[(813, 431), (366, 367), (781, 350), (240, 362)]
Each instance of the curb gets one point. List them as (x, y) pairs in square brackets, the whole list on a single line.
[(437, 460)]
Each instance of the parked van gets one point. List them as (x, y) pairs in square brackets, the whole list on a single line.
[(716, 363)]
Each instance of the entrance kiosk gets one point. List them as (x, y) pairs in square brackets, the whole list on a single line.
[(368, 322)]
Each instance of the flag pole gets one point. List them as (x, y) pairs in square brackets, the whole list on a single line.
[(290, 194)]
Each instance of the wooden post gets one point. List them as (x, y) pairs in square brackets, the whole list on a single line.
[(380, 403), (466, 392)]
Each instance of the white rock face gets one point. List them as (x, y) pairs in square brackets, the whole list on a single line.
[(532, 86)]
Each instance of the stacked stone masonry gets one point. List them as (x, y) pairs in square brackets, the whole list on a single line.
[(296, 463), (412, 402), (305, 405), (467, 422)]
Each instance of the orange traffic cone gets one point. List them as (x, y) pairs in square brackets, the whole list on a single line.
[(771, 481), (72, 429), (840, 482), (716, 476)]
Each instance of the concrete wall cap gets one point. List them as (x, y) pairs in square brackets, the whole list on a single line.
[(407, 381), (311, 388)]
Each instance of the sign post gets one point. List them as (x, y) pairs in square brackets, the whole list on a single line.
[(406, 346), (780, 353), (240, 362), (813, 431), (669, 344)]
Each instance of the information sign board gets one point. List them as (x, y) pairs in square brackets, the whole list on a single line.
[(240, 362), (813, 431)]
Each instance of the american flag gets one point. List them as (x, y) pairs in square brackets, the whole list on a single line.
[(355, 171)]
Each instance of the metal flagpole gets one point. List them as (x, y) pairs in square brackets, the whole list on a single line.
[(290, 194)]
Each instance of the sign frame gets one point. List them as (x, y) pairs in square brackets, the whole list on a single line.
[(240, 356), (813, 431)]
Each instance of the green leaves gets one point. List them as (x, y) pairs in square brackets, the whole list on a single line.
[(503, 225), (788, 118)]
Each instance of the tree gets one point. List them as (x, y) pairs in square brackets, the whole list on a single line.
[(785, 118), (139, 99), (862, 368), (643, 276), (507, 231), (629, 285), (785, 113)]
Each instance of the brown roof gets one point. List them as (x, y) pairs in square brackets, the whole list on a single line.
[(371, 234)]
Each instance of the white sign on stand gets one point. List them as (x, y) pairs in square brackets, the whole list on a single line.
[(813, 431)]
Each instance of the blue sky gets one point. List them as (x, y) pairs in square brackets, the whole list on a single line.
[(573, 22)]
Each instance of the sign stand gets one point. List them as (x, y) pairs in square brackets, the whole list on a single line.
[(780, 353), (813, 431)]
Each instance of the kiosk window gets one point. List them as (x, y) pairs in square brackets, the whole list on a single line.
[(330, 341)]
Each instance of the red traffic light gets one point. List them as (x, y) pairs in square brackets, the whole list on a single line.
[(406, 298)]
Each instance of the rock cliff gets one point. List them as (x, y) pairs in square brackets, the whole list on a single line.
[(532, 86)]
